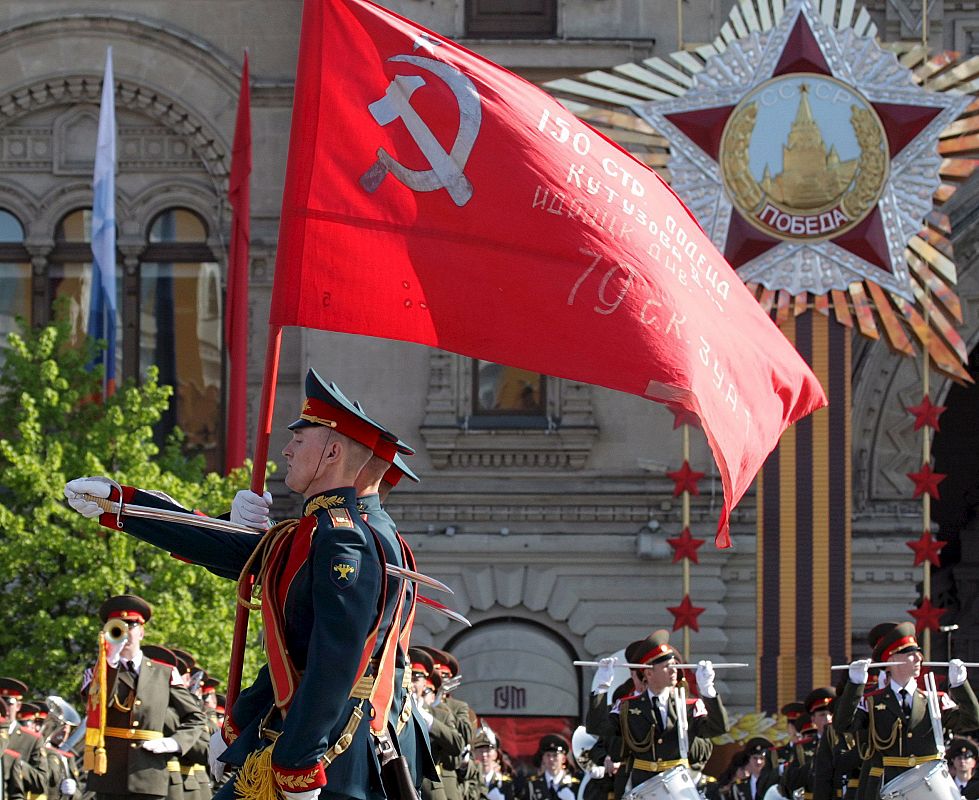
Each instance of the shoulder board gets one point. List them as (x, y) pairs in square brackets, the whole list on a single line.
[(631, 696), (65, 753), (875, 692), (35, 734), (157, 661), (505, 778), (9, 752)]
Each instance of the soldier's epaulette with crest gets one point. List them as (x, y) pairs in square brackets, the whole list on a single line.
[(875, 692), (631, 696), (333, 505)]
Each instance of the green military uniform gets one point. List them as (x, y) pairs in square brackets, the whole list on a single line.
[(62, 767), (748, 789), (961, 747), (799, 771), (836, 767), (11, 769), (25, 742), (139, 697), (898, 736), (562, 785)]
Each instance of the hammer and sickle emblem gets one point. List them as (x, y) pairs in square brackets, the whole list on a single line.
[(344, 570), (447, 169)]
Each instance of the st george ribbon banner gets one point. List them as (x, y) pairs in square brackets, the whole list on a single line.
[(433, 197)]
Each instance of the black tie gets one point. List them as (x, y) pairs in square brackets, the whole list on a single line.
[(131, 668), (656, 713), (905, 705)]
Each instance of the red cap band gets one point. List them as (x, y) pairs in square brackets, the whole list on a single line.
[(663, 649), (895, 646), (385, 449)]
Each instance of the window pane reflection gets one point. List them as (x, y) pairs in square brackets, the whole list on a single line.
[(15, 297), (180, 332), (507, 390)]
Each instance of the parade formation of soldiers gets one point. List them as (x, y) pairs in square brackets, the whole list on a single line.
[(348, 706)]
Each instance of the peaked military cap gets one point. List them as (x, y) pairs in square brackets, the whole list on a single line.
[(162, 654), (760, 746), (421, 663), (961, 746), (444, 661), (897, 640), (804, 724), (819, 699), (328, 407), (11, 687), (33, 710), (385, 448), (128, 607), (399, 469), (484, 737), (654, 648), (222, 702), (553, 743), (185, 662), (792, 711), (209, 685), (877, 631)]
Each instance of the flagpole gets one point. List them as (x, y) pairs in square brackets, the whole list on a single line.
[(272, 349)]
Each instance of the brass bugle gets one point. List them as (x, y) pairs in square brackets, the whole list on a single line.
[(116, 631)]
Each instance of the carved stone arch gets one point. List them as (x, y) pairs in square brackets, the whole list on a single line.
[(885, 445), (19, 203), (64, 198), (177, 193), (207, 142)]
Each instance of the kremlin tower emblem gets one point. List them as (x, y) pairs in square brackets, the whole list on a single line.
[(827, 172)]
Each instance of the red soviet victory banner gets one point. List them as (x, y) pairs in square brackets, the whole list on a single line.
[(431, 196)]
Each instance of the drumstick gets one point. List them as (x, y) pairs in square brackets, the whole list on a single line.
[(647, 666), (884, 664)]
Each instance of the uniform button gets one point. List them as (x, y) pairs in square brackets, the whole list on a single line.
[(133, 744), (139, 702), (659, 741), (910, 735), (135, 723)]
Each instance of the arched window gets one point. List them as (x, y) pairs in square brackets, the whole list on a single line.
[(180, 322), (511, 18), (70, 277), (15, 275)]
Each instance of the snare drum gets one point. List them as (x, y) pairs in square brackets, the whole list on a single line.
[(674, 784), (929, 781)]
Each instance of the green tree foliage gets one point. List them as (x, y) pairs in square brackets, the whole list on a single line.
[(56, 567)]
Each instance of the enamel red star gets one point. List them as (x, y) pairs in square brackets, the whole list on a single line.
[(685, 480), (682, 416), (685, 615), (926, 480), (926, 549), (926, 413), (685, 546), (926, 616)]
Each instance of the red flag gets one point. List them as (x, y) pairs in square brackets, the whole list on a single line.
[(433, 197), (236, 306)]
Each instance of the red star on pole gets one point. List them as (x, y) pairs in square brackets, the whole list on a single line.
[(925, 616), (685, 615), (682, 416), (685, 546), (926, 480), (926, 549), (926, 413), (685, 480)]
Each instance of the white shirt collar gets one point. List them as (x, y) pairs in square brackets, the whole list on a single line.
[(909, 687), (137, 661), (664, 696), (554, 778)]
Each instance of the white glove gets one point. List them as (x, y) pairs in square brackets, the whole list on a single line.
[(99, 487), (69, 786), (566, 793), (705, 679), (112, 651), (597, 772), (605, 673), (860, 671), (312, 794), (216, 745), (162, 746), (425, 715), (957, 673), (251, 509), (495, 794)]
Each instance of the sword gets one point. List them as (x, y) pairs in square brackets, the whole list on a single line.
[(647, 666), (435, 605), (187, 518)]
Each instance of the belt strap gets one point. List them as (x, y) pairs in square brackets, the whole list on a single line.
[(133, 733), (659, 766), (908, 761)]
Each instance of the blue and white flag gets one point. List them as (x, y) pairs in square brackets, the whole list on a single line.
[(102, 313)]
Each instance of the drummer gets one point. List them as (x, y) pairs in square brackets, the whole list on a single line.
[(646, 720), (895, 717)]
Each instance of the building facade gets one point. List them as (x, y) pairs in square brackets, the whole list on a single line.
[(544, 503)]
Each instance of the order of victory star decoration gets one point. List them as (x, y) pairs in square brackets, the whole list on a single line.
[(815, 157)]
